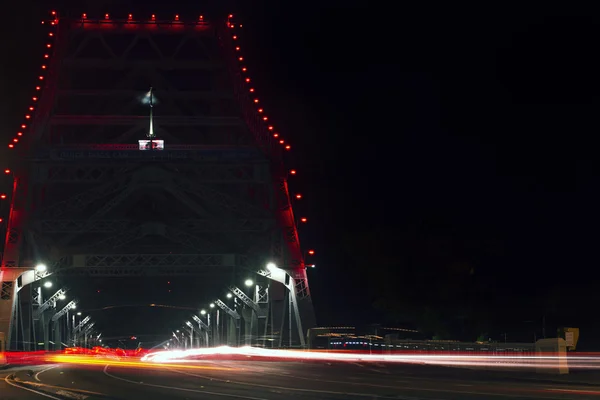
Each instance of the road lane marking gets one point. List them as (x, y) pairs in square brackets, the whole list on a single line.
[(181, 389), (42, 385), (29, 390), (417, 389), (37, 376), (271, 387)]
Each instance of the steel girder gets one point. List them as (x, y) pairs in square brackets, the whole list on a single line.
[(53, 226), (94, 174)]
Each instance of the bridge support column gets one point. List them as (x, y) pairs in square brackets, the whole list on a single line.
[(9, 295)]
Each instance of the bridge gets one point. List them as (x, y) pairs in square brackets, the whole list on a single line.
[(146, 152)]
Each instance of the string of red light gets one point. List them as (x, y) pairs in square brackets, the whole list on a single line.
[(54, 22), (260, 110)]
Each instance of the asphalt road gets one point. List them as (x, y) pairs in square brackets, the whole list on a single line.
[(273, 380)]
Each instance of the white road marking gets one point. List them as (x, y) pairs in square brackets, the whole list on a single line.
[(365, 384), (29, 390), (181, 389), (37, 376)]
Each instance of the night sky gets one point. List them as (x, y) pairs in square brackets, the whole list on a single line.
[(447, 157)]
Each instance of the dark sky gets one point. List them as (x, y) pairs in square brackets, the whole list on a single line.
[(444, 153)]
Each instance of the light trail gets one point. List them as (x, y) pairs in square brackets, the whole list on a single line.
[(475, 361), (95, 360)]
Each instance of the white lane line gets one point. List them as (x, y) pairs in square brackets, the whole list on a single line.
[(181, 389), (418, 389), (374, 396), (37, 376), (29, 390)]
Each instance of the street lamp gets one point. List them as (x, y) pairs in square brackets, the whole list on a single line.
[(41, 268), (271, 266), (229, 295), (212, 305), (203, 312), (249, 282), (48, 284), (62, 297)]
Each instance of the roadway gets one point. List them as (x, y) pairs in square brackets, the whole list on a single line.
[(255, 380)]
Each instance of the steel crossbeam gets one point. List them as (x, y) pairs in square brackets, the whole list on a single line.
[(228, 310), (50, 302), (189, 225), (205, 173), (64, 310), (201, 323), (82, 324)]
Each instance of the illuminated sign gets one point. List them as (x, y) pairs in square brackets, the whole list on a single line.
[(156, 144)]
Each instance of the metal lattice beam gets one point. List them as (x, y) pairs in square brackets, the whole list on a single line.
[(64, 310), (51, 301), (189, 225), (228, 310)]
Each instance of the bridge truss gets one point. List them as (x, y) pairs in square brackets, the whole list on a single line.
[(89, 201)]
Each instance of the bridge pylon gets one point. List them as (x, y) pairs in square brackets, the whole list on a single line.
[(188, 181)]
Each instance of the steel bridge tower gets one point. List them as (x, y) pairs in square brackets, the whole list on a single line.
[(207, 196)]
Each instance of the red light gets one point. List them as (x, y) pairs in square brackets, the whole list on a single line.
[(292, 172), (51, 34), (10, 146), (311, 252), (46, 56), (234, 37), (27, 116), (241, 58), (201, 17), (244, 69), (105, 16), (7, 171), (303, 220), (247, 79), (230, 15), (84, 15), (270, 128), (288, 147), (2, 196), (177, 17), (260, 110), (31, 108), (16, 140), (298, 196), (41, 78), (1, 220), (153, 17), (281, 141), (43, 67), (38, 87), (256, 100), (43, 22), (23, 126), (34, 98), (19, 133), (130, 16), (53, 12), (52, 23), (251, 89), (265, 118), (237, 48), (48, 45), (276, 135)]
